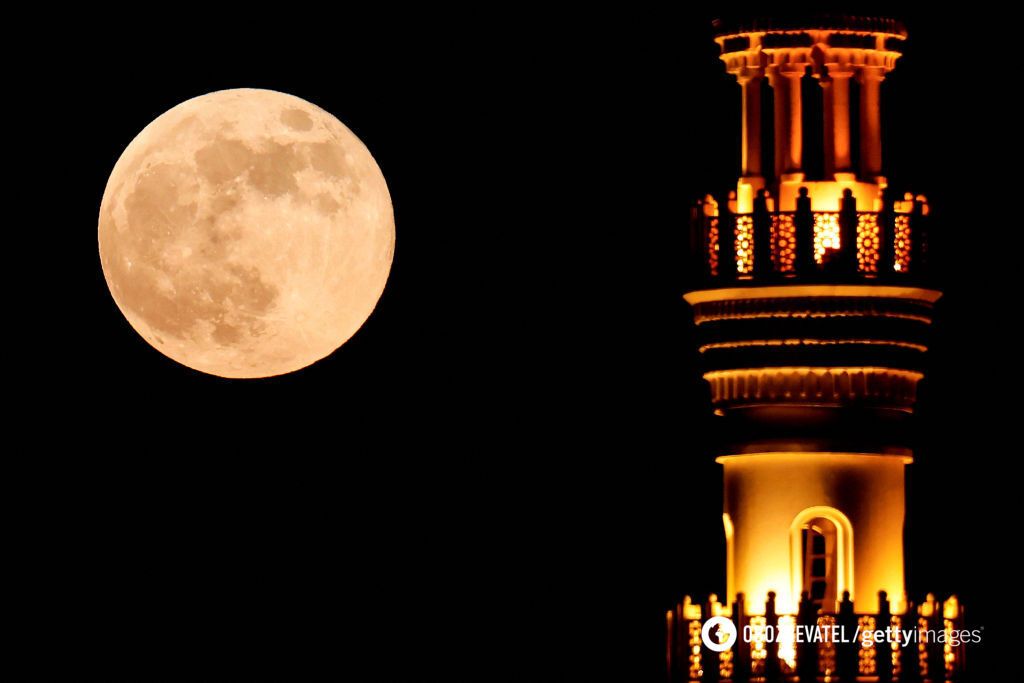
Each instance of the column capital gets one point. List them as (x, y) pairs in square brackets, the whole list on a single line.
[(875, 74), (836, 71), (748, 73), (789, 71), (738, 63)]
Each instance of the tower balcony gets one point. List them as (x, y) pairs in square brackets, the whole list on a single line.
[(813, 324), (886, 244)]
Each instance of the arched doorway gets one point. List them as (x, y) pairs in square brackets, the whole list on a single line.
[(821, 541)]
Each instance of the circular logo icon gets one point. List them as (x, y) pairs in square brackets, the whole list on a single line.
[(719, 642)]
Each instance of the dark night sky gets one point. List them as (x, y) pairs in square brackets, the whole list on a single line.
[(507, 469)]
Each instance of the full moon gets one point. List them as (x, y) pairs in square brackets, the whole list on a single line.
[(246, 233)]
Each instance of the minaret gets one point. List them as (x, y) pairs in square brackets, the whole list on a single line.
[(812, 299), (813, 302), (813, 306), (816, 366)]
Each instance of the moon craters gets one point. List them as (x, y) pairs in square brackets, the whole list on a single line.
[(246, 233)]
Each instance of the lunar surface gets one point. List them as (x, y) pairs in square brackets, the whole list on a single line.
[(246, 233)]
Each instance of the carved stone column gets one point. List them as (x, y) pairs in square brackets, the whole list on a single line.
[(750, 83), (835, 86), (785, 82), (870, 79)]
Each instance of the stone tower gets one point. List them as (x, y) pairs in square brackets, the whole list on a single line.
[(813, 305)]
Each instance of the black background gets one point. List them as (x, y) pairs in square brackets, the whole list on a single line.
[(505, 473)]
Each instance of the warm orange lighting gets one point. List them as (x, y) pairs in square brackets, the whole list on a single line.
[(690, 611), (895, 656), (827, 195), (784, 242), (948, 650), (868, 253), (928, 607), (906, 205), (826, 235), (901, 244), (713, 247), (824, 195), (787, 641), (922, 646), (744, 245), (710, 317), (866, 664), (843, 555), (827, 649), (808, 385), (904, 458), (811, 342), (758, 653), (813, 377), (730, 555), (951, 608), (784, 291), (725, 664), (812, 301), (694, 643), (772, 497)]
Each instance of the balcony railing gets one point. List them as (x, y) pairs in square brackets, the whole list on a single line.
[(924, 643), (849, 244)]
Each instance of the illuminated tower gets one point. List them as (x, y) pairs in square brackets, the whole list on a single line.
[(812, 307)]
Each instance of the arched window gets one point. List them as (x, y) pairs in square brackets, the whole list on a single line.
[(821, 540), (818, 541)]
